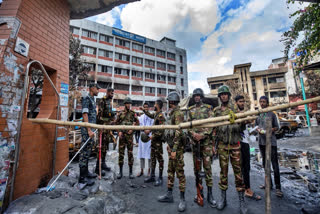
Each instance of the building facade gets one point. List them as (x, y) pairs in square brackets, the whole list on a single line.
[(135, 66), (277, 82)]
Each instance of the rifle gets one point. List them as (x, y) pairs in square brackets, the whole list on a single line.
[(199, 175)]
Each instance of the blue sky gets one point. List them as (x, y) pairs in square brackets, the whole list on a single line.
[(217, 34)]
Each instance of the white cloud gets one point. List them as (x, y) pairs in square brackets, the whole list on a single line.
[(108, 18), (156, 18)]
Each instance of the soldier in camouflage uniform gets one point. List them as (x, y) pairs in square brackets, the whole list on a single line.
[(105, 117), (229, 138), (126, 117), (89, 114), (156, 143), (175, 152), (202, 136)]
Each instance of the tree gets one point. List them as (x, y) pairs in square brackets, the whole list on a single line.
[(306, 24), (313, 79), (78, 69), (236, 89)]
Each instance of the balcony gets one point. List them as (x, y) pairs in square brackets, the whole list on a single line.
[(277, 85)]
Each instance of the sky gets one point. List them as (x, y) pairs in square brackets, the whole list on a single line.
[(217, 34)]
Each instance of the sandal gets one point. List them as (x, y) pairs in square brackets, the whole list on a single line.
[(254, 196), (262, 186), (140, 174), (279, 193)]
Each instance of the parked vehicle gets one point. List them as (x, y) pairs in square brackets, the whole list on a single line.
[(300, 119), (286, 126)]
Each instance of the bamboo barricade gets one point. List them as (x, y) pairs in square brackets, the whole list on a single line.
[(211, 122)]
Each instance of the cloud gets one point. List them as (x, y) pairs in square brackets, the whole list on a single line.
[(110, 18)]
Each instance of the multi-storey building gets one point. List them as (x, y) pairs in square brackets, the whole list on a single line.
[(135, 66), (274, 82)]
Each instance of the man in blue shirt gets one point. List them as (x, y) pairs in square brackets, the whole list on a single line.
[(89, 114)]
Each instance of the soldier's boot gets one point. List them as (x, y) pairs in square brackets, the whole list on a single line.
[(243, 204), (119, 176), (196, 197), (182, 203), (83, 179), (223, 200), (130, 173), (210, 198), (97, 169), (90, 175), (152, 177), (159, 180), (168, 197), (104, 165)]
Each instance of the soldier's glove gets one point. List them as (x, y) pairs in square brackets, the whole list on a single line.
[(232, 117)]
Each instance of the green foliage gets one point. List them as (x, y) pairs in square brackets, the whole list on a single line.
[(306, 24)]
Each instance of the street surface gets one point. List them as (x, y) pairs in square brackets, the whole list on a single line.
[(142, 198)]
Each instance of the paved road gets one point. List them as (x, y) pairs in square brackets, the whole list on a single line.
[(142, 198)]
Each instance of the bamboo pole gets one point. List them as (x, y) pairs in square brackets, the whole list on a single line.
[(185, 125), (267, 167)]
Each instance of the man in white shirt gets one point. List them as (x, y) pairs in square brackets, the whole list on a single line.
[(144, 149)]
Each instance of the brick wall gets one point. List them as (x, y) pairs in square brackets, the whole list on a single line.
[(45, 26)]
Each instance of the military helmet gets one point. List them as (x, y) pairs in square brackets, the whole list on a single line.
[(198, 91), (173, 96), (223, 89), (144, 137), (127, 100)]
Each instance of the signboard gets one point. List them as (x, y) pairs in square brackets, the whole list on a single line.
[(22, 47), (64, 88), (63, 99), (64, 113), (128, 35)]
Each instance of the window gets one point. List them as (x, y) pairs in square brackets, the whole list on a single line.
[(254, 96), (182, 82), (122, 57), (264, 81), (253, 82), (162, 91), (137, 60), (171, 90), (182, 94), (150, 76), (104, 84), (105, 69), (161, 53), (150, 90), (74, 30), (181, 59), (123, 43), (89, 34), (92, 66), (161, 77), (106, 38), (149, 50), (136, 46), (137, 74), (122, 71), (278, 79), (136, 88), (89, 50), (136, 103), (181, 70), (171, 79), (122, 87), (171, 67), (171, 55), (149, 63), (161, 65), (275, 94), (105, 53), (216, 86)]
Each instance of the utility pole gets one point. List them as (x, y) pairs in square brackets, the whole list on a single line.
[(301, 75), (267, 167)]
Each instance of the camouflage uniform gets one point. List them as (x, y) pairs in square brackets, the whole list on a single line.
[(229, 138), (105, 117), (197, 113), (126, 117), (89, 107), (176, 165), (156, 142)]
